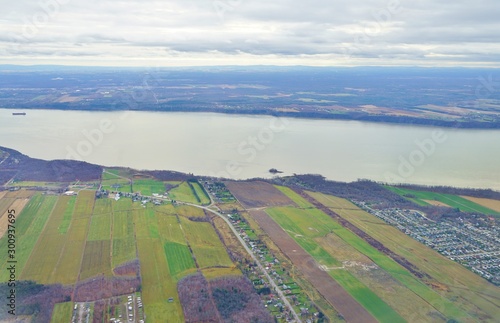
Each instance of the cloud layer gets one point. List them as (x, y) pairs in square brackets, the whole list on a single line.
[(250, 32)]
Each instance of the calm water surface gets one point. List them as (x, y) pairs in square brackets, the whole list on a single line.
[(248, 146)]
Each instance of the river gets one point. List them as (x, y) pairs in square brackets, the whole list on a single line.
[(241, 146)]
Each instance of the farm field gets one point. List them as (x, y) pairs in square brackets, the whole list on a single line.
[(454, 201), (17, 205), (488, 203), (123, 243), (158, 284), (469, 291), (207, 248), (29, 226), (296, 198), (307, 227), (199, 193), (257, 194), (320, 279), (62, 312), (41, 265), (183, 193), (148, 186), (189, 211)]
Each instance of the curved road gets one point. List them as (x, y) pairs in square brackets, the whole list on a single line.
[(250, 252)]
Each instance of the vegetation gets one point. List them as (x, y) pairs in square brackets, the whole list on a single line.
[(207, 248), (29, 225), (306, 227), (457, 282), (179, 258), (62, 312), (296, 198), (454, 201), (183, 193), (148, 186)]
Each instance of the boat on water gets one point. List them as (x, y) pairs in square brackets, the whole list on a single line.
[(18, 113)]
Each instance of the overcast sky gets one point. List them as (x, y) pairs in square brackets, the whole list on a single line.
[(250, 32)]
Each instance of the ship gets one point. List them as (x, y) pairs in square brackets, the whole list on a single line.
[(18, 113)]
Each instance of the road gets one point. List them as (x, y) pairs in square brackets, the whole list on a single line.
[(250, 252)]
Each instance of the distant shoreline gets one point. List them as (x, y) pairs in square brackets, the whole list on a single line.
[(398, 120)]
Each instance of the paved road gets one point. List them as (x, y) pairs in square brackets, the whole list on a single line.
[(250, 252)]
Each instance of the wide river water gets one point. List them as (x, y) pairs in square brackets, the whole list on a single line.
[(237, 146)]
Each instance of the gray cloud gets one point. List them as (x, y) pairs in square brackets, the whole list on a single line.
[(201, 32)]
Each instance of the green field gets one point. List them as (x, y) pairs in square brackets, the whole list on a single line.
[(157, 283), (170, 229), (467, 290), (29, 226), (41, 264), (96, 259), (296, 198), (100, 227), (67, 215), (103, 206), (62, 312), (179, 258), (112, 181), (199, 193), (305, 226), (189, 211), (123, 244), (148, 186), (449, 199), (183, 193), (207, 248)]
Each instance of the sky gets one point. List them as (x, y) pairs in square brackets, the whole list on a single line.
[(250, 32)]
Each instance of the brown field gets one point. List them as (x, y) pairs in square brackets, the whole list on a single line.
[(18, 206), (351, 310), (436, 203), (2, 193), (20, 194), (489, 203), (257, 194)]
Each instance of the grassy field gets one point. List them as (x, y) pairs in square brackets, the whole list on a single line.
[(68, 268), (67, 215), (488, 203), (62, 312), (103, 206), (123, 244), (170, 229), (96, 259), (296, 198), (183, 193), (189, 211), (212, 273), (199, 193), (100, 227), (305, 226), (454, 201), (158, 284), (207, 248), (179, 258), (148, 186), (41, 264), (467, 290), (29, 226)]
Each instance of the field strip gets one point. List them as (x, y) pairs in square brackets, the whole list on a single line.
[(344, 303), (271, 281), (384, 258), (488, 203), (18, 205)]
